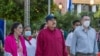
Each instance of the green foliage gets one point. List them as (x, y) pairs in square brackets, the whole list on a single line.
[(8, 27), (65, 21), (91, 14), (13, 10), (10, 10), (97, 19), (38, 9), (97, 14)]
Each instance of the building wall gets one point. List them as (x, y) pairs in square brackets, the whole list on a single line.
[(64, 4), (85, 1), (77, 2), (97, 2), (81, 1)]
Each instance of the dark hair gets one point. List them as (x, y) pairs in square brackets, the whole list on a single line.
[(83, 16), (75, 21), (26, 26), (14, 26), (42, 26)]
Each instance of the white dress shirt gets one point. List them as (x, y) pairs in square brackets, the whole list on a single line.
[(31, 49), (68, 41)]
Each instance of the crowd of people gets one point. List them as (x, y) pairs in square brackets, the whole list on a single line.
[(82, 40)]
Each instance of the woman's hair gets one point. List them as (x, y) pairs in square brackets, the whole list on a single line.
[(14, 26)]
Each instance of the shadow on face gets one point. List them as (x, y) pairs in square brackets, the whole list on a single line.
[(76, 24), (19, 29), (52, 23), (85, 18), (27, 29)]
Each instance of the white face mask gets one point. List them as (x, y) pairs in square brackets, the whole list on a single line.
[(86, 23), (27, 33)]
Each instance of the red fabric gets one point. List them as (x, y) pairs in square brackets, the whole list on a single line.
[(50, 43), (30, 37), (99, 54)]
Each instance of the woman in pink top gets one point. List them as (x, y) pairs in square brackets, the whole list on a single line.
[(14, 42)]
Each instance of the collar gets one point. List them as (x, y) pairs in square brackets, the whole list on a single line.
[(14, 36), (51, 30), (84, 28), (30, 37)]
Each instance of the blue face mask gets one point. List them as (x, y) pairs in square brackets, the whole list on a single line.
[(27, 33)]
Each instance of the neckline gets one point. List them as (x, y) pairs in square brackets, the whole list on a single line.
[(51, 30)]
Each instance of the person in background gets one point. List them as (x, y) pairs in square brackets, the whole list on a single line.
[(50, 41), (64, 33), (84, 41), (30, 42), (43, 26), (14, 44), (98, 41), (68, 41)]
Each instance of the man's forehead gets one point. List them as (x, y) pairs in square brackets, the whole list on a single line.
[(20, 26), (77, 23), (86, 17)]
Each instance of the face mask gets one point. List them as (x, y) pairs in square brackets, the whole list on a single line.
[(86, 23), (27, 33)]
